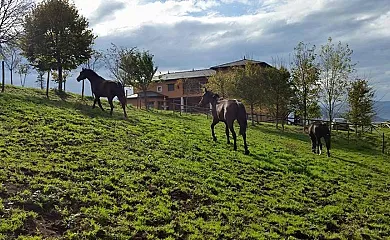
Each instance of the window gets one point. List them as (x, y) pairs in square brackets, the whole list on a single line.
[(159, 88), (171, 87)]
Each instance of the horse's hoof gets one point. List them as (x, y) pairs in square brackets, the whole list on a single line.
[(215, 139), (246, 152)]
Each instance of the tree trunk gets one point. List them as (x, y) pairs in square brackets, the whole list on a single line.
[(59, 76), (304, 110), (277, 116), (47, 84), (252, 112), (12, 82), (3, 76)]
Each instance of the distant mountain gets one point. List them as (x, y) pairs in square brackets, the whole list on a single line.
[(382, 109)]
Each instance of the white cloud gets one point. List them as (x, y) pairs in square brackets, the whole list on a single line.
[(201, 33)]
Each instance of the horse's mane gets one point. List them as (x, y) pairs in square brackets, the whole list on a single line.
[(92, 72)]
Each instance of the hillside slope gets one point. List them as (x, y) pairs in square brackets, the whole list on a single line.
[(70, 172)]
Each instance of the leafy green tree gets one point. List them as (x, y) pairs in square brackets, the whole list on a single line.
[(279, 92), (11, 55), (23, 70), (250, 85), (113, 58), (223, 83), (336, 66), (305, 75), (54, 32), (137, 69), (40, 80), (360, 99), (65, 75)]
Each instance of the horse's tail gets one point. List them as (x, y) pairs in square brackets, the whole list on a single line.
[(242, 118)]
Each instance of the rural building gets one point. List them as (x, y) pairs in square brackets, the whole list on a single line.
[(173, 90)]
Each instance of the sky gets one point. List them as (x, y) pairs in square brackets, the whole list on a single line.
[(196, 34)]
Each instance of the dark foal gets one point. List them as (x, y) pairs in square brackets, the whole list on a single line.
[(226, 111), (317, 131), (104, 88)]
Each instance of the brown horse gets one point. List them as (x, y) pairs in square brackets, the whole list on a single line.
[(226, 111), (318, 130), (104, 88)]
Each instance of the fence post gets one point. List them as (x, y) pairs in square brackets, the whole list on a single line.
[(257, 118), (383, 142), (348, 134)]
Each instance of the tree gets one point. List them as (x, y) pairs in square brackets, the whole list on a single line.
[(336, 66), (279, 92), (54, 32), (40, 80), (65, 75), (137, 69), (12, 13), (11, 56), (305, 75), (360, 99), (113, 59), (222, 82), (249, 85), (23, 70)]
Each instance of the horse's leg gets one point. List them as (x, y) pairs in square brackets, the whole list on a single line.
[(111, 105), (94, 102), (212, 130), (122, 100), (319, 146), (227, 133), (242, 122), (231, 127), (313, 143), (245, 145), (99, 103)]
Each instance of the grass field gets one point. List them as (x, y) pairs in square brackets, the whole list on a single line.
[(70, 172)]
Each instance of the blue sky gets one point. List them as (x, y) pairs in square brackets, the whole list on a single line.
[(201, 33)]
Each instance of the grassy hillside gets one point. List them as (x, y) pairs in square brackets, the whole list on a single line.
[(70, 172)]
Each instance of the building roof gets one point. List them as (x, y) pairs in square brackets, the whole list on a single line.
[(241, 62), (148, 94), (184, 75)]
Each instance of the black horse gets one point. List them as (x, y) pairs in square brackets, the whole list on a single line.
[(317, 131), (226, 111), (104, 88)]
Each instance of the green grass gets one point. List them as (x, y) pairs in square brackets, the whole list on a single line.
[(70, 172)]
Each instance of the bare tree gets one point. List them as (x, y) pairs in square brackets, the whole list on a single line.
[(11, 55), (12, 13), (113, 58)]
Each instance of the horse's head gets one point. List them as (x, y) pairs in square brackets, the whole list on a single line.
[(207, 98), (83, 74)]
